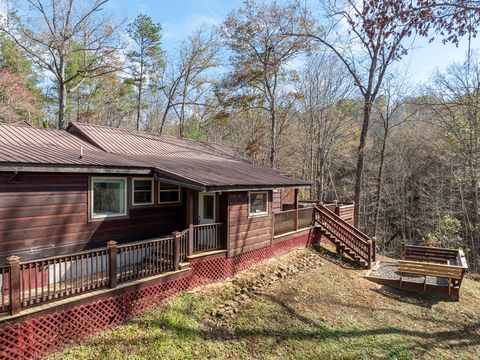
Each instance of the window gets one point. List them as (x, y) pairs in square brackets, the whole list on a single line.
[(207, 209), (109, 197), (168, 193), (258, 203), (142, 191)]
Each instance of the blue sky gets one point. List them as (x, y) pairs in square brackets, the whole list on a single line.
[(180, 17)]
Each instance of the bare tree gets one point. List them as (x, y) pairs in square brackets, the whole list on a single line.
[(323, 88), (456, 110), (54, 33), (186, 81), (256, 33), (390, 111)]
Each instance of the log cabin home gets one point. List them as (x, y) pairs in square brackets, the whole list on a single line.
[(64, 191), (91, 208)]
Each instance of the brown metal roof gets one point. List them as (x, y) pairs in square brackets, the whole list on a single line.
[(28, 145), (199, 164), (122, 141)]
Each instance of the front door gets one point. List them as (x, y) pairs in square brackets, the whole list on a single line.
[(206, 208), (206, 235)]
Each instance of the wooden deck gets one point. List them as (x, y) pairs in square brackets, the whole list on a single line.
[(425, 280)]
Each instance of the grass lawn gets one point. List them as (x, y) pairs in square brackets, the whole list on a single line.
[(324, 310)]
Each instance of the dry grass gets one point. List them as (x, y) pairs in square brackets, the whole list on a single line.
[(324, 311)]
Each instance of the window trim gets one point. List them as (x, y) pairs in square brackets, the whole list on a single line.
[(152, 188), (159, 191), (92, 201), (260, 214)]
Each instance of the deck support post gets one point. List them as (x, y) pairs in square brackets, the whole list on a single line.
[(14, 284), (374, 249), (272, 227), (339, 251), (176, 251), (296, 209), (337, 208), (370, 254), (354, 219), (112, 262), (190, 240)]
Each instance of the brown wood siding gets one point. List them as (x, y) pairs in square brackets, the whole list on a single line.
[(277, 200), (47, 214), (246, 233)]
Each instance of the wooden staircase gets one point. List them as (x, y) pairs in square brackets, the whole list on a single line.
[(347, 238)]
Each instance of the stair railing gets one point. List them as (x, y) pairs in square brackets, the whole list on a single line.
[(350, 236)]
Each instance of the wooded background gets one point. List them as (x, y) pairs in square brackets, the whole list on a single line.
[(314, 92)]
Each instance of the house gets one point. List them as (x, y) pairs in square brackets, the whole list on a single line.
[(97, 224), (64, 191)]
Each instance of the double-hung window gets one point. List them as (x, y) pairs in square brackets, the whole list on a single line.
[(168, 193), (108, 197), (142, 191)]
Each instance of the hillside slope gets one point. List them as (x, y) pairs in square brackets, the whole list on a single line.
[(305, 305)]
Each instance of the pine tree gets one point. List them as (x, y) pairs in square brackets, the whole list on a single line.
[(147, 56)]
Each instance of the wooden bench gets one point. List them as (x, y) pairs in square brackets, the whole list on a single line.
[(430, 254), (453, 274)]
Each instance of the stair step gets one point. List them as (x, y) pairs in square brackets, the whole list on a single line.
[(342, 246)]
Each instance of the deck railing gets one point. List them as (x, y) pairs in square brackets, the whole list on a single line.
[(207, 237), (143, 259), (33, 282), (285, 222), (305, 217), (293, 220), (60, 276), (4, 294)]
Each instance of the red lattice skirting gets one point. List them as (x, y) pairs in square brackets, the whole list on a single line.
[(39, 336)]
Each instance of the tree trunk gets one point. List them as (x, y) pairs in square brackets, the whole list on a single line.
[(361, 155), (321, 175), (273, 135), (313, 170), (140, 88), (139, 104), (182, 110), (62, 96), (379, 184)]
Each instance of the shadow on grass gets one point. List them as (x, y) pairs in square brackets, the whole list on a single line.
[(410, 297), (340, 260), (288, 324)]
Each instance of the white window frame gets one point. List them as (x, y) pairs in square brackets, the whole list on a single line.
[(263, 213), (152, 189), (94, 179), (179, 189)]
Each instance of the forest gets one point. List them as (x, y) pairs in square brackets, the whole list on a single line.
[(313, 89)]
